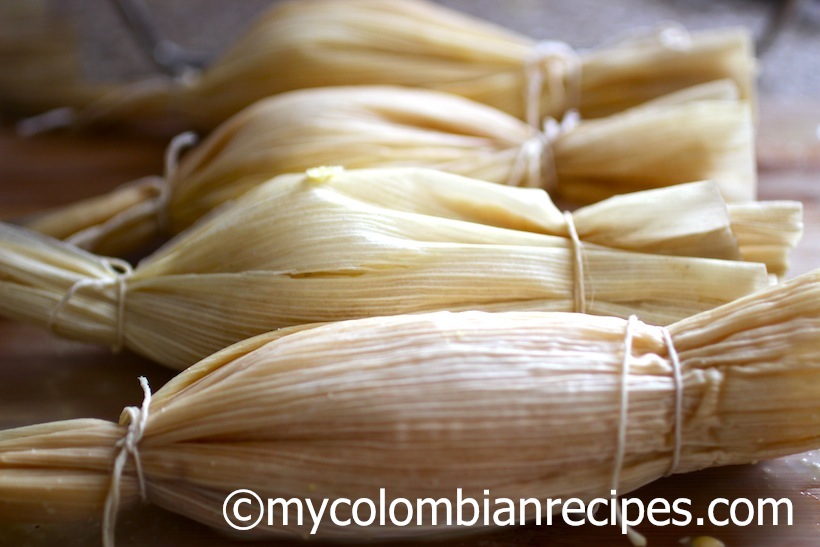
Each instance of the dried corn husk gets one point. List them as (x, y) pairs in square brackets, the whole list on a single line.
[(645, 147), (524, 404), (765, 230), (419, 44), (339, 245)]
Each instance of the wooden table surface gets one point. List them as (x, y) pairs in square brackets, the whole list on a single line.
[(43, 378)]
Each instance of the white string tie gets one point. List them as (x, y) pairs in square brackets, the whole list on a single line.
[(534, 165), (678, 380), (634, 536), (556, 66), (121, 271), (174, 151), (136, 420), (578, 264)]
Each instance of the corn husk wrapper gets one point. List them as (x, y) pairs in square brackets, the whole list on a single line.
[(524, 404), (419, 44), (328, 247), (646, 147), (766, 231)]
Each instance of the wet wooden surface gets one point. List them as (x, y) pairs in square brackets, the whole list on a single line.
[(43, 378)]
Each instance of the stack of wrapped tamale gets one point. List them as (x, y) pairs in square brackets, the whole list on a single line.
[(419, 253)]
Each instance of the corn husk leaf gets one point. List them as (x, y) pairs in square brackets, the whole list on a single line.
[(303, 249), (524, 404)]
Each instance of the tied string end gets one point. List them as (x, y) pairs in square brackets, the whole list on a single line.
[(554, 129), (634, 536), (121, 271), (530, 161), (137, 417), (173, 153)]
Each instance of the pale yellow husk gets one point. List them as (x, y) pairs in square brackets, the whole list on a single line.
[(655, 145), (412, 43), (523, 404), (340, 245), (766, 230)]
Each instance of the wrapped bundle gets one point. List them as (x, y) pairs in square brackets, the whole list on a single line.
[(439, 406), (332, 245), (645, 147), (419, 44)]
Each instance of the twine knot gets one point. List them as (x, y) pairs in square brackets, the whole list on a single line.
[(556, 66), (136, 418), (121, 271), (535, 163), (623, 416)]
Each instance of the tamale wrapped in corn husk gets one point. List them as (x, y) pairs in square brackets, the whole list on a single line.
[(419, 44), (413, 43), (645, 147), (330, 245), (522, 404)]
